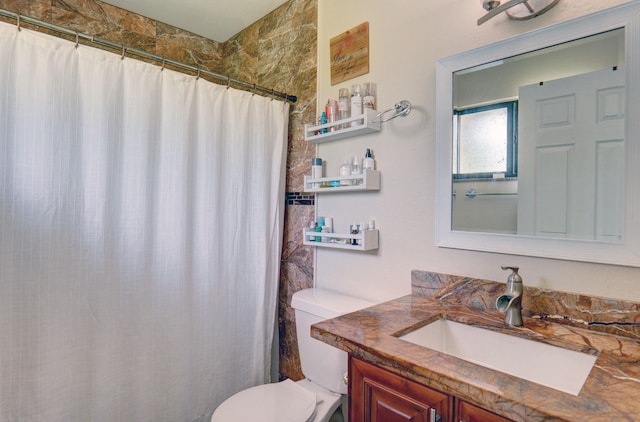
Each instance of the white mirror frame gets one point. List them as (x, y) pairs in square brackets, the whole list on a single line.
[(625, 253)]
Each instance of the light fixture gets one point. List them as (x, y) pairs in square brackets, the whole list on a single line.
[(516, 9)]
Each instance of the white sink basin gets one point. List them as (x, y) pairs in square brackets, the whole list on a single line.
[(555, 367)]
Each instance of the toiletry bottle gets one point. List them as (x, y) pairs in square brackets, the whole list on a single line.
[(356, 170), (319, 228), (325, 230), (369, 95), (345, 170), (312, 228), (328, 223), (354, 230), (323, 121), (356, 104), (316, 170), (344, 104), (368, 163), (332, 113)]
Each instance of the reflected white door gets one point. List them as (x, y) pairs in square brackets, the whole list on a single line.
[(571, 157)]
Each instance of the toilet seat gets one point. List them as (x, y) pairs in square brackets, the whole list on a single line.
[(285, 401)]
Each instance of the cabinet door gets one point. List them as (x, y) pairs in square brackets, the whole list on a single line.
[(467, 412), (377, 395)]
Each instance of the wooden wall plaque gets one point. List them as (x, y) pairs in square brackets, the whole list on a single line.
[(350, 54)]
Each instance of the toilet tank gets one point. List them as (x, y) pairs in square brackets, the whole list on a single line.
[(322, 364)]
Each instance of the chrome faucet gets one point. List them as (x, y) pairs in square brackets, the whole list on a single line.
[(511, 301)]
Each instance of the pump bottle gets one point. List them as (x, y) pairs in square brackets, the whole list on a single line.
[(368, 163)]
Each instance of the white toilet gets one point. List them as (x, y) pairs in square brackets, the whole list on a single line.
[(315, 398)]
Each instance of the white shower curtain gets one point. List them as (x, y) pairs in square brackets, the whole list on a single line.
[(141, 217)]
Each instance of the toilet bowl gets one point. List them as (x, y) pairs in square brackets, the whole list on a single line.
[(288, 401), (323, 391)]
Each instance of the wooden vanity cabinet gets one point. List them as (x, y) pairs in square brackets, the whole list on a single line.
[(467, 412), (377, 395)]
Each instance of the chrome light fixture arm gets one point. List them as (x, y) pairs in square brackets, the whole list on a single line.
[(534, 8)]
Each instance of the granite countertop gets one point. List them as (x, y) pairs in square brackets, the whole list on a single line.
[(611, 392)]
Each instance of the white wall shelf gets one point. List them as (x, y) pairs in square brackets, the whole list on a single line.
[(368, 124), (369, 180), (367, 240)]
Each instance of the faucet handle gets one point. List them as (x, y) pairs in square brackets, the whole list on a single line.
[(514, 277)]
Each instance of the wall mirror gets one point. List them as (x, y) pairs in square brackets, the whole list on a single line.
[(535, 155)]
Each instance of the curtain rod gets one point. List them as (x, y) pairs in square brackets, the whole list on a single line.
[(126, 49)]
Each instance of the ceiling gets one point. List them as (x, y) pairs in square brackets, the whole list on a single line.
[(218, 20)]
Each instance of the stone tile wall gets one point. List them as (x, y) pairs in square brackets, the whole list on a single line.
[(120, 26), (278, 51)]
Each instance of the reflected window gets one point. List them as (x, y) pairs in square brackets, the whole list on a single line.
[(485, 141)]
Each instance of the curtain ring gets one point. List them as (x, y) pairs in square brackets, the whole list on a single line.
[(272, 93), (77, 39), (198, 76), (254, 89), (124, 52), (228, 82), (164, 61), (18, 21)]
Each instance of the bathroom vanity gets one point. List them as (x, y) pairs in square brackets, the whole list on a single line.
[(380, 395), (391, 376)]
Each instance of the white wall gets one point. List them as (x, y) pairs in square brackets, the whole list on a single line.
[(503, 82), (406, 39)]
